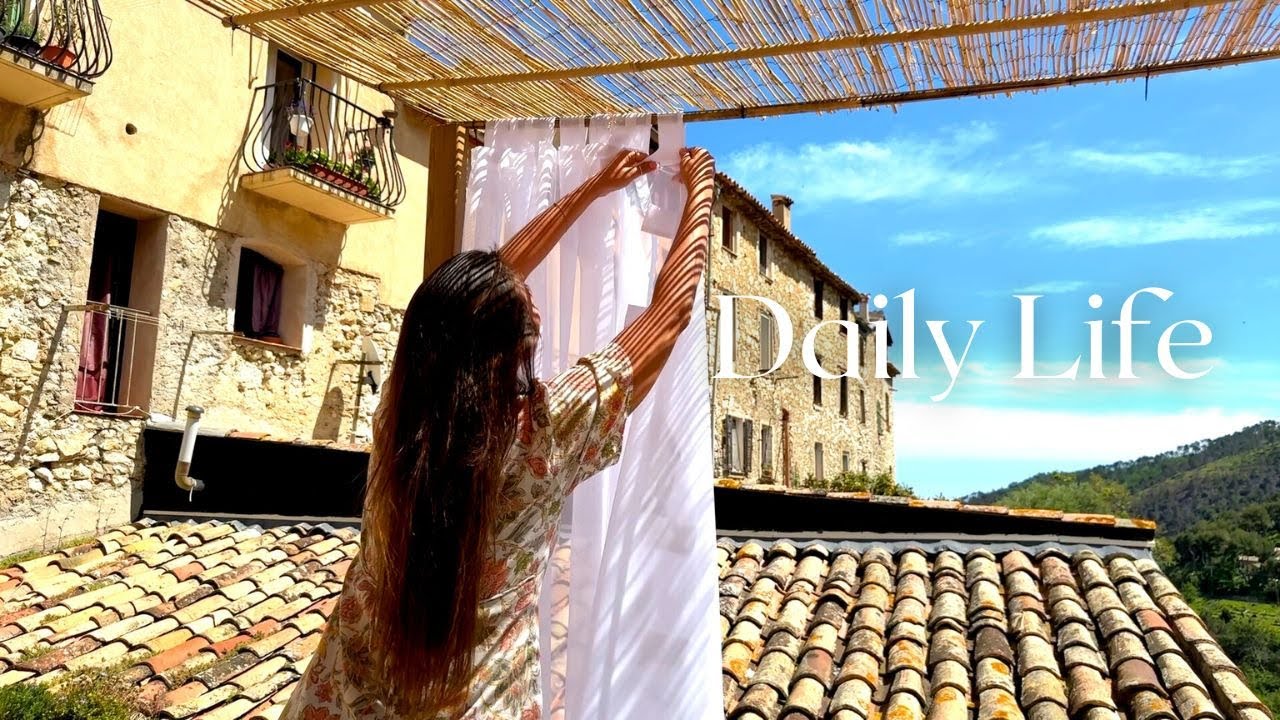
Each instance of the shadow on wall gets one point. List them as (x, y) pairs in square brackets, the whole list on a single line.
[(332, 410), (22, 133)]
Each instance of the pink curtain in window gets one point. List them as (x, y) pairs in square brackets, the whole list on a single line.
[(267, 280), (91, 371)]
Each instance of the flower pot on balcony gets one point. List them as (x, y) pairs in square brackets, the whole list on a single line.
[(300, 124), (59, 56), (321, 172), (23, 44)]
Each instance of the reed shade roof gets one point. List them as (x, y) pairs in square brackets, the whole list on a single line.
[(470, 60)]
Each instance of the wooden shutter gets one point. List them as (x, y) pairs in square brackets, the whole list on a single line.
[(746, 448), (766, 341), (727, 444)]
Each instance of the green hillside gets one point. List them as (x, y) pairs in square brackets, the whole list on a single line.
[(1218, 507), (1177, 488)]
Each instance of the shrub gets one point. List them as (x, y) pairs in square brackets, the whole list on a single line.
[(94, 695)]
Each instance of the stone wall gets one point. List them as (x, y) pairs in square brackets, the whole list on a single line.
[(77, 472), (763, 400)]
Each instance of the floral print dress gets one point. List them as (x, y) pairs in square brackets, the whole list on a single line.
[(571, 429)]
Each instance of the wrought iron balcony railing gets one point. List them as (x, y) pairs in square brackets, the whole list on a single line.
[(302, 125), (70, 35)]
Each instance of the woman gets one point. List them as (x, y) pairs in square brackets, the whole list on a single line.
[(471, 461)]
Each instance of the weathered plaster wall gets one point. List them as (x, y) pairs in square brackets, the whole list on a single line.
[(186, 84), (73, 475), (763, 400)]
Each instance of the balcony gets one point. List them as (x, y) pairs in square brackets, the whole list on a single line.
[(51, 50), (317, 151)]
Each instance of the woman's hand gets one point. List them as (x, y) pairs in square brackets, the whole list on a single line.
[(625, 168), (697, 169)]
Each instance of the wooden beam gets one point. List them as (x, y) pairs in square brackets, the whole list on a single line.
[(986, 89), (902, 98), (447, 157), (290, 12), (1031, 22)]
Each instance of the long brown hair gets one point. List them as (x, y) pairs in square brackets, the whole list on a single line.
[(445, 427)]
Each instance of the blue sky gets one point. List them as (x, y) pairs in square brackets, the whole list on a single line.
[(1089, 189)]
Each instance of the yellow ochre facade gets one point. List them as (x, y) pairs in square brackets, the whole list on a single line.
[(140, 273)]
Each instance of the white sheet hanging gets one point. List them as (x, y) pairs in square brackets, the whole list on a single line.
[(628, 614)]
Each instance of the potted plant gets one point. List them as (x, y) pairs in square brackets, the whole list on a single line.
[(300, 121), (18, 27), (296, 156), (319, 163), (365, 158), (375, 190), (63, 36)]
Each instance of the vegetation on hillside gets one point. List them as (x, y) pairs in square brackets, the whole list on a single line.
[(1217, 503), (1175, 488)]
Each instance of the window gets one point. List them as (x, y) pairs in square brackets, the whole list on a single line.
[(864, 467), (727, 238), (862, 352), (763, 248), (768, 340), (817, 298), (844, 396), (862, 405), (259, 292), (114, 372), (817, 388), (766, 451), (737, 445), (879, 418), (888, 416), (817, 461), (844, 461), (844, 313)]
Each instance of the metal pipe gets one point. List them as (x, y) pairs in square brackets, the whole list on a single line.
[(181, 474)]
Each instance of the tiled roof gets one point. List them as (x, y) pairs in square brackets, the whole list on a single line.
[(764, 217), (847, 633), (216, 620), (213, 620)]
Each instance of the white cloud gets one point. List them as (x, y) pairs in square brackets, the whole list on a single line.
[(957, 163), (920, 237), (1224, 222), (1051, 287), (927, 430), (1048, 287), (1165, 163)]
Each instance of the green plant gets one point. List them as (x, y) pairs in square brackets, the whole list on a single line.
[(294, 155), (319, 157), (365, 158), (77, 699), (65, 30), (375, 189)]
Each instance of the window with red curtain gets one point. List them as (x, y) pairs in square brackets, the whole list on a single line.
[(259, 289)]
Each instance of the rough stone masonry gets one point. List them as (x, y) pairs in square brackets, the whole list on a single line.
[(78, 472)]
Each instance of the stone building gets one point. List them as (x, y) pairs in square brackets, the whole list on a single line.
[(188, 216), (788, 426)]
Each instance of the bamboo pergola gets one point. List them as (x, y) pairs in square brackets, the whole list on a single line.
[(474, 60)]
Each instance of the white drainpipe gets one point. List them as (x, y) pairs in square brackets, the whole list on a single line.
[(180, 473)]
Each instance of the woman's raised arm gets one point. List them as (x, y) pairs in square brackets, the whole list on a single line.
[(649, 339), (529, 246)]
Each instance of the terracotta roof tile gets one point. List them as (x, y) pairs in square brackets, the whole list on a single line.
[(1002, 635), (232, 613)]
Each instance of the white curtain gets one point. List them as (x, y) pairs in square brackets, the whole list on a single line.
[(629, 606)]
